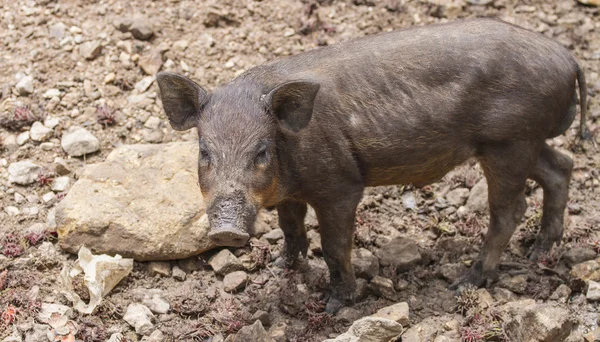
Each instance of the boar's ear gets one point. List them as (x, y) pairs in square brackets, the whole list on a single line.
[(292, 103), (182, 99)]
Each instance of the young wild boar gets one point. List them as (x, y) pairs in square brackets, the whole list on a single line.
[(395, 108)]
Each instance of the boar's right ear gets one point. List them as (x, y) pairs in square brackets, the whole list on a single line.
[(292, 103), (182, 99)]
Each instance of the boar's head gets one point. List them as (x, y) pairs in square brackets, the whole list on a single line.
[(238, 126)]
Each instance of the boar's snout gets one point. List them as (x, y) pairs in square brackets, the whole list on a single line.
[(230, 218), (228, 235)]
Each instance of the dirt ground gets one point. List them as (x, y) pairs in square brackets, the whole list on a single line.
[(212, 42)]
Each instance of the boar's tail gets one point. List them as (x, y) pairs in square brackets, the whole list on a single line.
[(584, 132)]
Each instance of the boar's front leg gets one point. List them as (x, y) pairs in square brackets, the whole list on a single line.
[(291, 220), (336, 223), (506, 167)]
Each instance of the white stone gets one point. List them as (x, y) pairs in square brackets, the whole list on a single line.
[(12, 211), (22, 138), (60, 184), (51, 122), (47, 197), (24, 172), (50, 93), (144, 84), (140, 317), (39, 132), (25, 86), (153, 122), (79, 141), (593, 292)]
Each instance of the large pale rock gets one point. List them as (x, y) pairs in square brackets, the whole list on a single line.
[(142, 203), (531, 322), (370, 329)]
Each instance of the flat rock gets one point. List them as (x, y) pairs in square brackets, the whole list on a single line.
[(254, 332), (274, 235), (79, 141), (593, 291), (370, 329), (140, 318), (142, 203), (24, 172), (528, 321), (60, 184), (589, 270), (577, 255), (383, 287), (457, 197), (400, 252), (398, 312), (516, 284), (144, 84), (225, 262), (156, 336), (235, 281), (151, 63)]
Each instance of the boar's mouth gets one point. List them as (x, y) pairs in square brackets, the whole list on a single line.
[(231, 217)]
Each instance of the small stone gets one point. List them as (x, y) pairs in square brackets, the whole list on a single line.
[(254, 332), (588, 270), (383, 287), (162, 268), (274, 235), (116, 337), (54, 314), (25, 86), (47, 146), (180, 45), (51, 122), (152, 135), (110, 78), (457, 197), (60, 184), (157, 304), (278, 332), (151, 64), (39, 333), (58, 31), (504, 296), (190, 264), (23, 172), (516, 284), (11, 211), (22, 138), (478, 198), (592, 336), (39, 132), (398, 312), (347, 315), (225, 262), (61, 167), (561, 294), (400, 252), (178, 273), (362, 289), (141, 28), (261, 316), (369, 328), (90, 50), (144, 84), (451, 272), (578, 255), (79, 141), (156, 336), (235, 281), (314, 241), (140, 317), (485, 299), (408, 200), (593, 291), (153, 122), (48, 197), (528, 321), (123, 24), (365, 264), (50, 93)]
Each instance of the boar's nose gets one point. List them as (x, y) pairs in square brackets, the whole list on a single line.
[(228, 235)]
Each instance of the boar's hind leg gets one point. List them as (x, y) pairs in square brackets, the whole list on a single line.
[(553, 172), (336, 222), (506, 169), (291, 220)]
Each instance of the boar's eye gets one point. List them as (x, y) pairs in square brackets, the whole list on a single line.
[(204, 155), (261, 156)]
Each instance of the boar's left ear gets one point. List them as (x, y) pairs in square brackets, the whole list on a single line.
[(182, 99), (292, 103)]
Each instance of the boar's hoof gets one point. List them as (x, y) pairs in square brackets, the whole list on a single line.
[(228, 236), (471, 279), (334, 305)]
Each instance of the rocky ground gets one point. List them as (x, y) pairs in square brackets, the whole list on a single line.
[(76, 83)]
